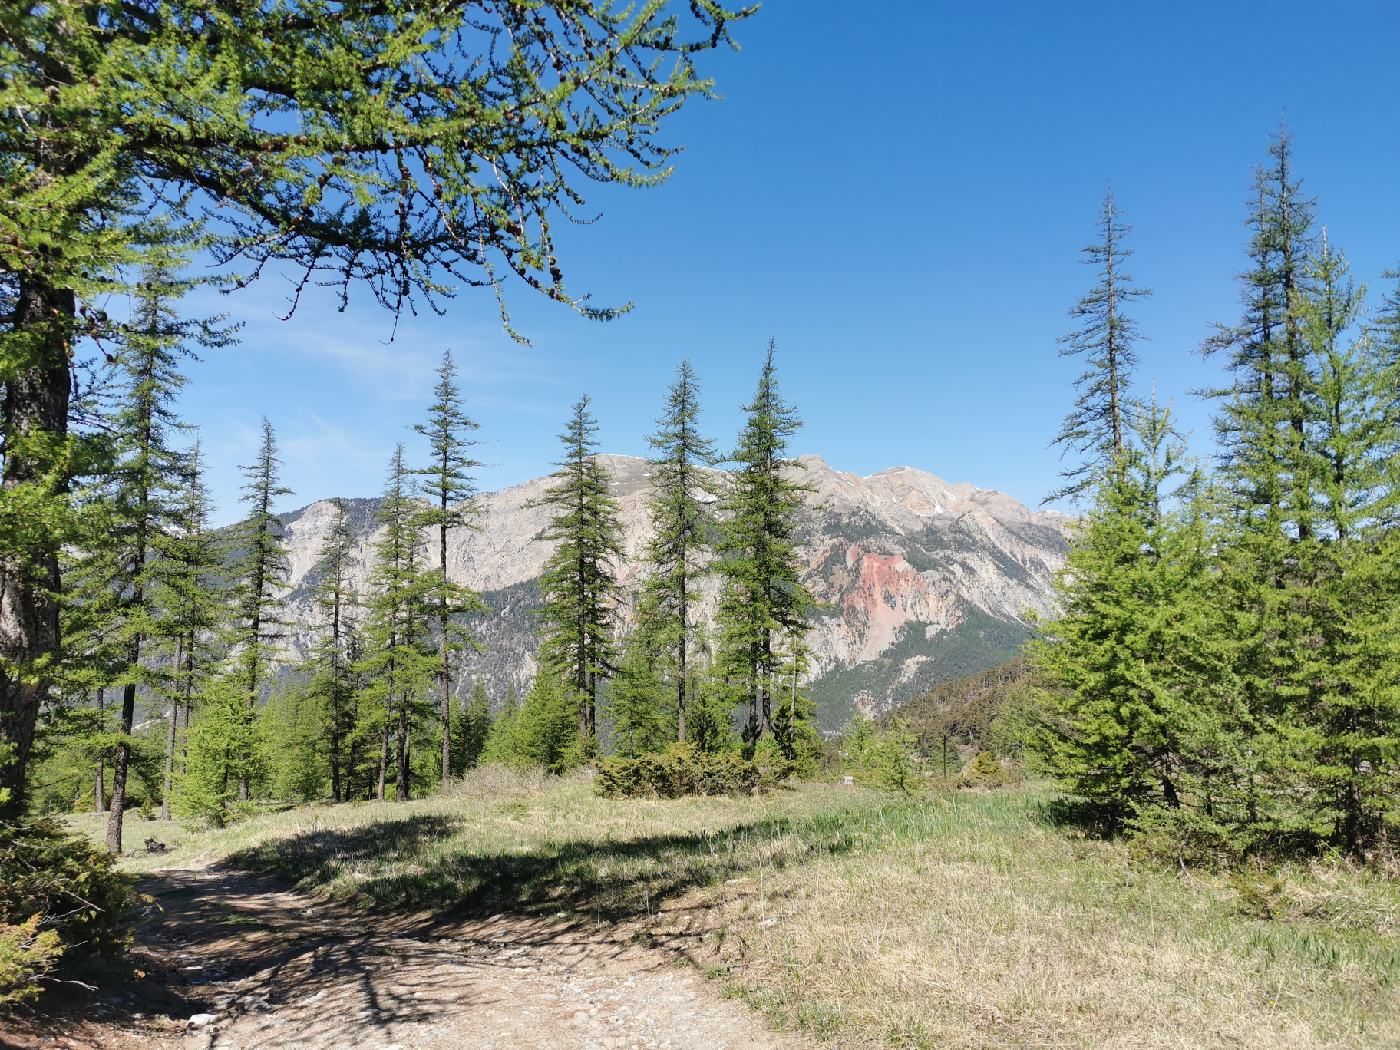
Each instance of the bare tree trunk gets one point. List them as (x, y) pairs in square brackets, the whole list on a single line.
[(120, 761), (401, 767), (36, 396)]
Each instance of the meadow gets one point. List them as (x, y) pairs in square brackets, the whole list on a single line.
[(950, 919)]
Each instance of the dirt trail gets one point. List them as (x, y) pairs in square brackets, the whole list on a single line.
[(243, 964)]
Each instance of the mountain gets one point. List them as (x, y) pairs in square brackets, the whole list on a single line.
[(920, 580)]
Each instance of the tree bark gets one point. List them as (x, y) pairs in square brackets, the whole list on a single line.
[(120, 761), (35, 414)]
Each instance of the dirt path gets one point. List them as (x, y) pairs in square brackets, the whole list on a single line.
[(242, 964)]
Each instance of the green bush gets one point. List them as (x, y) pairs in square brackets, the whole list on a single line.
[(986, 771), (62, 906), (681, 770), (27, 955)]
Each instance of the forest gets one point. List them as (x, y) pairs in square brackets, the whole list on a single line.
[(1216, 699)]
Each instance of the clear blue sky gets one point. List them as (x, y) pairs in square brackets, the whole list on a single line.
[(897, 193)]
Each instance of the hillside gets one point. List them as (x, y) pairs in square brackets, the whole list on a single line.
[(920, 580)]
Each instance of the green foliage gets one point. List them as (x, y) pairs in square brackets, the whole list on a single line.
[(222, 752), (471, 728), (985, 771), (400, 660), (578, 582), (63, 907), (763, 606), (640, 706), (28, 955), (883, 756), (682, 770), (1221, 683), (292, 735), (1099, 427), (683, 532), (543, 731)]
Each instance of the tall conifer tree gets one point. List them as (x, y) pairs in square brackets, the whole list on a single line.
[(764, 605), (683, 493), (580, 589), (449, 488), (259, 574), (145, 482), (332, 682), (193, 598), (400, 658), (1099, 426)]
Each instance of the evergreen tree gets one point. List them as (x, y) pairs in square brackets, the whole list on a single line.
[(289, 125), (636, 702), (580, 591), (259, 573), (145, 483), (332, 682), (1099, 426), (1110, 717), (400, 658), (545, 730), (193, 597), (450, 488), (682, 534), (470, 729), (763, 602)]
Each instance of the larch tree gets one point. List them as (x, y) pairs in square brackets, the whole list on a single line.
[(764, 605), (193, 599), (145, 483), (1097, 429), (449, 487), (259, 575), (331, 681), (400, 659), (405, 149), (579, 583), (684, 491)]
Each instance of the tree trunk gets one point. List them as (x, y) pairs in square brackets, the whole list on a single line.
[(444, 690), (35, 408), (120, 761), (168, 784), (401, 766)]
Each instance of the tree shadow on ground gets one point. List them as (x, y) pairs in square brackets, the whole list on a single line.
[(412, 864)]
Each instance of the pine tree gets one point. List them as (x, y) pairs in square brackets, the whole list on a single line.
[(1098, 428), (259, 573), (763, 602), (331, 677), (193, 598), (580, 591), (286, 126), (400, 658), (450, 488), (145, 483), (683, 490)]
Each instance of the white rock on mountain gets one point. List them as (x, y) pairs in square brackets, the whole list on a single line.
[(920, 580)]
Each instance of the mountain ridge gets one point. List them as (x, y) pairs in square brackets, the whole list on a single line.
[(920, 580)]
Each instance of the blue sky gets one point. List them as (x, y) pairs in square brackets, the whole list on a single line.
[(897, 193)]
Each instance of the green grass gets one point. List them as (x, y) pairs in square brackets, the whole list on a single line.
[(961, 919)]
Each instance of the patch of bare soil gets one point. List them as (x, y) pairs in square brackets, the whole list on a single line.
[(232, 961)]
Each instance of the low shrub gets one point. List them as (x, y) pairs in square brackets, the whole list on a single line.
[(681, 770), (63, 907), (987, 771)]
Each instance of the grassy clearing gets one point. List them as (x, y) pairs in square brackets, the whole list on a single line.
[(958, 920)]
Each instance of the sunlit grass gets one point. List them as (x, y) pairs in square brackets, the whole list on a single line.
[(959, 919)]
